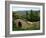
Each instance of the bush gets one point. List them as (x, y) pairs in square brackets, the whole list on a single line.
[(33, 16)]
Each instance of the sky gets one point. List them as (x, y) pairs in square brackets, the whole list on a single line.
[(18, 8)]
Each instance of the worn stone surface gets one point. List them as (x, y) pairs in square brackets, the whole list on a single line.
[(26, 24)]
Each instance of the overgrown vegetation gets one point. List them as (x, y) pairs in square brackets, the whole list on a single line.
[(32, 16)]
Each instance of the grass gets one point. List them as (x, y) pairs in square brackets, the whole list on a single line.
[(34, 26)]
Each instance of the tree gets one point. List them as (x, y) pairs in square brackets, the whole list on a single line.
[(34, 16), (27, 15), (37, 16), (31, 15)]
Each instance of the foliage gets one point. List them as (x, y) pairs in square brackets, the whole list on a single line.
[(33, 16)]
